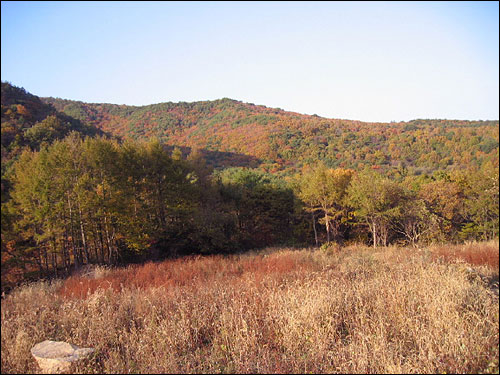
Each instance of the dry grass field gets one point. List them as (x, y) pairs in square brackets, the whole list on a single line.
[(356, 310)]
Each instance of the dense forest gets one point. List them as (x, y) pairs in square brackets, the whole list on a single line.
[(283, 142), (109, 184), (28, 121)]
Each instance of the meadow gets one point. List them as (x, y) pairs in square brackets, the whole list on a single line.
[(278, 310)]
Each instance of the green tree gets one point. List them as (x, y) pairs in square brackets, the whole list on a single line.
[(261, 205), (414, 220), (481, 191), (377, 201), (323, 189), (445, 200)]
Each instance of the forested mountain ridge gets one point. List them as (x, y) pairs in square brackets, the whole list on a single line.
[(281, 139), (27, 121)]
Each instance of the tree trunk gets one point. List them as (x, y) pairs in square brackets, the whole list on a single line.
[(74, 247), (327, 223), (383, 233), (38, 259), (314, 227), (93, 233), (66, 259), (54, 255), (108, 241), (82, 232), (46, 256), (101, 242)]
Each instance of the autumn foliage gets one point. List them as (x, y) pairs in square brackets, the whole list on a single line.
[(222, 177), (284, 141)]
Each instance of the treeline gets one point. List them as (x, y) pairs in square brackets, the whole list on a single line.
[(284, 142), (95, 200), (403, 209), (27, 123)]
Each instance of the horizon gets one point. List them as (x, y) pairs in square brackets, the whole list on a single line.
[(255, 104), (369, 62)]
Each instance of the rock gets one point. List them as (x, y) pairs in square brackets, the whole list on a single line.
[(55, 357)]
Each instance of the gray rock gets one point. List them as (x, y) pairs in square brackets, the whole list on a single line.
[(55, 357)]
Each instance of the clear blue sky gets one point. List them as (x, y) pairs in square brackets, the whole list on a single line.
[(373, 61)]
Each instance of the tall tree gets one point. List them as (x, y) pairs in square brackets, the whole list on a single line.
[(377, 201), (445, 200), (323, 189)]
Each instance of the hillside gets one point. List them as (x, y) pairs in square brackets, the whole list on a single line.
[(27, 121), (281, 140)]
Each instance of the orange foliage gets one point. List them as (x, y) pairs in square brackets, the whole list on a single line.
[(21, 109)]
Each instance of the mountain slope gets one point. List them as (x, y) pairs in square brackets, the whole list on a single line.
[(281, 139), (28, 121)]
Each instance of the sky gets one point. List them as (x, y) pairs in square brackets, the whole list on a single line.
[(368, 61)]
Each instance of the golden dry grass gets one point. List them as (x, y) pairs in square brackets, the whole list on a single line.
[(360, 310)]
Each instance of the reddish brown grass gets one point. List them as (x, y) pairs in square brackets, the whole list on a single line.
[(189, 271), (477, 254)]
